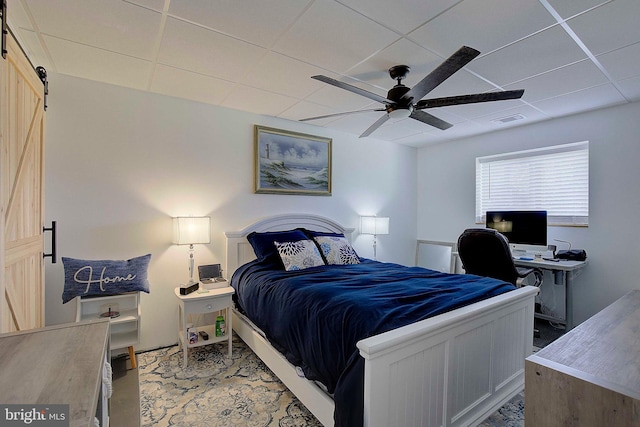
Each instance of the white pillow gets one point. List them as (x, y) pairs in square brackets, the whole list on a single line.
[(299, 255), (337, 250)]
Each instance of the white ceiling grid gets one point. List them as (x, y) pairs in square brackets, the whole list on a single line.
[(570, 56)]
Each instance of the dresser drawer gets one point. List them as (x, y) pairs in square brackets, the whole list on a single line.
[(207, 305)]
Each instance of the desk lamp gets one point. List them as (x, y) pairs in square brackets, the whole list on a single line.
[(190, 231)]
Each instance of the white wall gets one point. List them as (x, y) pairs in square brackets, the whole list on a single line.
[(446, 197), (120, 163)]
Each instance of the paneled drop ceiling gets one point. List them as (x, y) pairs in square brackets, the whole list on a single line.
[(570, 56)]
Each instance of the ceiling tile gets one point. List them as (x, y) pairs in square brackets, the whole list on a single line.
[(568, 8), (609, 27), (17, 17), (375, 70), (116, 26), (258, 101), (573, 77), (530, 114), (402, 128), (206, 52), (192, 86), (602, 96), (460, 130), (630, 88), (303, 109), (545, 51), (484, 25), (622, 63), (355, 123), (334, 36), (253, 21), (342, 100), (417, 140), (275, 72), (157, 5), (31, 45), (97, 64), (401, 16)]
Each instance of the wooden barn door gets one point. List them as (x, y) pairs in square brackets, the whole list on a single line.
[(21, 192)]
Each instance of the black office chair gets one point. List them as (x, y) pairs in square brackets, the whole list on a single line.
[(485, 252)]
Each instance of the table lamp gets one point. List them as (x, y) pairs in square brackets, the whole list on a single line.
[(190, 231), (374, 225)]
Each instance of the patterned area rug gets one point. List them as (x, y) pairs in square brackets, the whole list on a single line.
[(216, 390)]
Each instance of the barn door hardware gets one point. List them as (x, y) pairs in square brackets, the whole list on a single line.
[(42, 73), (52, 229), (3, 17)]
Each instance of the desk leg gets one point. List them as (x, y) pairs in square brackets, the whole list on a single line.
[(568, 300)]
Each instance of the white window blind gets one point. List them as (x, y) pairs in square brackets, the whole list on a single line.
[(555, 179)]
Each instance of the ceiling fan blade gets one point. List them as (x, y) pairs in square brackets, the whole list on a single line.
[(462, 57), (430, 120), (469, 99), (341, 114), (375, 126), (352, 88)]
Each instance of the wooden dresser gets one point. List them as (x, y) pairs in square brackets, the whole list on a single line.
[(61, 364), (591, 375)]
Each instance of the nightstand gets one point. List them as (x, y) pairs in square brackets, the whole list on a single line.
[(199, 303)]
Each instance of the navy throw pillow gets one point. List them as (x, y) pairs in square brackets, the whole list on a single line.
[(263, 243), (104, 277)]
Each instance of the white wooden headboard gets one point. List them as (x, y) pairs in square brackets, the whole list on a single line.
[(239, 251)]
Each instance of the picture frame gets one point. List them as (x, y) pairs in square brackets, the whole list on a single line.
[(291, 162)]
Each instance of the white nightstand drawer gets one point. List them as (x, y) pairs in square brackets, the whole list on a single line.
[(207, 305)]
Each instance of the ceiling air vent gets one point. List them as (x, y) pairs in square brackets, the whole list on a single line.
[(508, 119)]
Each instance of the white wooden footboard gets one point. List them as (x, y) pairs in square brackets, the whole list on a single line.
[(450, 370)]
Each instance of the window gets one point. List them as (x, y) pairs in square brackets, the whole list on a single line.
[(555, 179)]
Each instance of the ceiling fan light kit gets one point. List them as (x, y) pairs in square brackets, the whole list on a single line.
[(404, 102), (401, 113)]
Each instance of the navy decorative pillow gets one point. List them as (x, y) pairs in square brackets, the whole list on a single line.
[(311, 233), (263, 243), (104, 277)]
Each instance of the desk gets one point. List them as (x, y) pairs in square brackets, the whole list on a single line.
[(564, 271)]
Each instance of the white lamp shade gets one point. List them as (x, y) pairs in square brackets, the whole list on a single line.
[(374, 225), (191, 230)]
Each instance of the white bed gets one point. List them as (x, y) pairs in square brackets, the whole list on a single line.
[(453, 369)]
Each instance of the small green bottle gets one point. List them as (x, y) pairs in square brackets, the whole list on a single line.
[(220, 326)]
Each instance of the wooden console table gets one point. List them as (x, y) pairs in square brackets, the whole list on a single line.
[(58, 365), (591, 375)]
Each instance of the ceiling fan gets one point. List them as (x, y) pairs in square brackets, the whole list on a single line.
[(402, 101)]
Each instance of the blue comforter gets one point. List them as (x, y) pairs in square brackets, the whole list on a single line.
[(315, 316)]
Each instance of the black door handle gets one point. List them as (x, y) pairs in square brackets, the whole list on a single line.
[(52, 229)]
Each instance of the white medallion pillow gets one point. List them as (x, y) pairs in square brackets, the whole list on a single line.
[(299, 255), (337, 250)]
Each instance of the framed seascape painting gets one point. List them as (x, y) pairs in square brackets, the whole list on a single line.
[(291, 163)]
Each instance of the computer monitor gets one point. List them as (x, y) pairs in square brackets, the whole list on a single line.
[(525, 230)]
